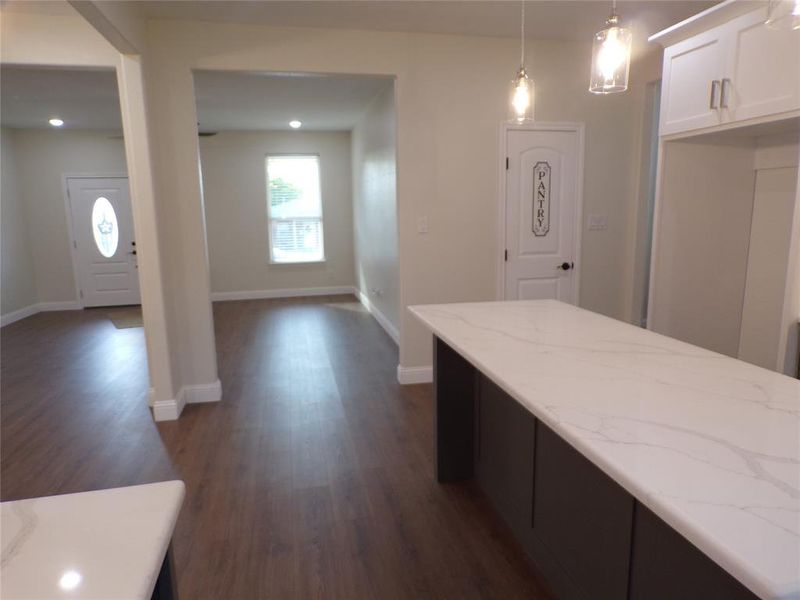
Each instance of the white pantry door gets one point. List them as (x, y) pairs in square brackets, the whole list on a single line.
[(542, 212), (104, 248)]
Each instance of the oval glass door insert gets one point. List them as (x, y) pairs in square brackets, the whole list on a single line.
[(104, 227)]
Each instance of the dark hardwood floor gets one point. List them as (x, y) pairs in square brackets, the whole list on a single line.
[(313, 478)]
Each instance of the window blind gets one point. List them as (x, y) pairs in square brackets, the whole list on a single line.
[(294, 208)]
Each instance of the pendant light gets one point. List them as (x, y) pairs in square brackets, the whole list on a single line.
[(522, 88), (611, 57)]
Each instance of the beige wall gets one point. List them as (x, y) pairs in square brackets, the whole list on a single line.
[(234, 190), (42, 159), (375, 207), (18, 287), (706, 205), (41, 39), (451, 97)]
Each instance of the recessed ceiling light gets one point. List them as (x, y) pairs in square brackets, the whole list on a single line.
[(56, 122), (70, 580), (295, 124)]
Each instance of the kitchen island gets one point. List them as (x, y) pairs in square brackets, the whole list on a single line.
[(104, 544), (627, 463)]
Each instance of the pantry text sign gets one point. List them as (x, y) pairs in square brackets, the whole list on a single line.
[(541, 198)]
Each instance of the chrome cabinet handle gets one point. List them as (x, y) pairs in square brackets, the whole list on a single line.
[(723, 97), (712, 102)]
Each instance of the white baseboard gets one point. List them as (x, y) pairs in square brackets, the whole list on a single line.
[(207, 392), (53, 306), (412, 375), (170, 410), (283, 293), (33, 309), (18, 315), (379, 316)]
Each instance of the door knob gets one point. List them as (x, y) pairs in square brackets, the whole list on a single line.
[(565, 266)]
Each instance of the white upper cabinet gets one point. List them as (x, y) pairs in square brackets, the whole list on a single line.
[(763, 70), (733, 72), (692, 82)]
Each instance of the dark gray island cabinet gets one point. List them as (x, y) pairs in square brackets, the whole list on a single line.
[(579, 514), (588, 536)]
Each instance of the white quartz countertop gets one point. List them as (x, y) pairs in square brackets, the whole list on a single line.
[(709, 443), (107, 544)]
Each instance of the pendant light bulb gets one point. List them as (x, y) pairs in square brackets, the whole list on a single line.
[(522, 87), (611, 58), (522, 97)]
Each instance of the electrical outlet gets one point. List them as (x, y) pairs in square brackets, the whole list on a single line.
[(597, 223)]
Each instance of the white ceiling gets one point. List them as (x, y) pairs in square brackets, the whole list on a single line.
[(84, 99), (545, 19), (244, 101), (88, 99)]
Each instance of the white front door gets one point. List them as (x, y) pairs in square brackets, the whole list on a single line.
[(104, 248), (542, 213)]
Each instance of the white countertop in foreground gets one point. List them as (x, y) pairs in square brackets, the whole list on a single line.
[(711, 444), (106, 544)]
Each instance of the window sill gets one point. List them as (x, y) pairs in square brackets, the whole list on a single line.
[(298, 262)]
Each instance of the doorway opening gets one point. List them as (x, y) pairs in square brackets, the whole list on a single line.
[(66, 196), (68, 238), (299, 188), (646, 203)]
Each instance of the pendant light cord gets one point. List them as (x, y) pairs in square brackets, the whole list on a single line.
[(522, 37)]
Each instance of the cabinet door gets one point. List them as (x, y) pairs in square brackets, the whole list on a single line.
[(665, 565), (690, 68), (763, 68), (504, 451), (583, 517)]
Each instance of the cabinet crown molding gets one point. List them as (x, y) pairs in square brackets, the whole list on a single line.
[(718, 14)]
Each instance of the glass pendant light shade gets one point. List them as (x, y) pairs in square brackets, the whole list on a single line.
[(783, 14), (522, 98), (611, 58)]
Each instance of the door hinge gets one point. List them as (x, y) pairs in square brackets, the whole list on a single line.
[(81, 292), (74, 244), (506, 163), (506, 255)]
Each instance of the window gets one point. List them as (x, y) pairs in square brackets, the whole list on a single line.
[(104, 227), (294, 209)]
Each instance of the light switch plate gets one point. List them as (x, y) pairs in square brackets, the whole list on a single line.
[(597, 223), (422, 225)]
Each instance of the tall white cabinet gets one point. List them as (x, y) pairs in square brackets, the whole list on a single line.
[(725, 266)]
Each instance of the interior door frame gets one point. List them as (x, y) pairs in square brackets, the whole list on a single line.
[(73, 253), (572, 127)]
